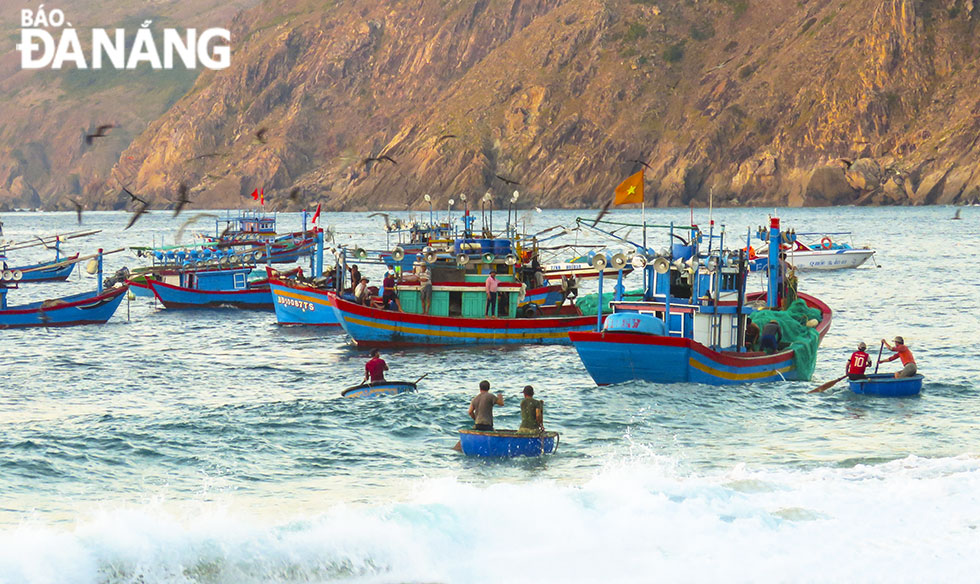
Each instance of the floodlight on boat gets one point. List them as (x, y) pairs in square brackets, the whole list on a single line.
[(7, 275), (398, 254), (427, 198), (638, 262), (430, 256), (462, 196), (618, 261), (511, 259), (360, 253), (513, 198), (598, 261), (462, 259), (488, 258), (661, 265), (18, 275)]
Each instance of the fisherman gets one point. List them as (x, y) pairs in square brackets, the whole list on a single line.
[(425, 291), (355, 276), (751, 335), (858, 362), (771, 336), (375, 368), (390, 296), (532, 413), (903, 352), (361, 294), (481, 407), (492, 284)]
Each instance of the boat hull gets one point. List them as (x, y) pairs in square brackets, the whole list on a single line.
[(178, 297), (507, 443), (821, 260), (886, 385), (296, 304), (379, 388), (78, 309), (582, 272), (53, 271), (616, 357), (373, 327)]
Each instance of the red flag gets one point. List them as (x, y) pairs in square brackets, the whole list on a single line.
[(262, 196), (316, 215), (255, 194)]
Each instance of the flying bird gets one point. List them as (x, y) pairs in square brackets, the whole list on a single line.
[(445, 137), (387, 219), (44, 243), (507, 180), (208, 155), (78, 209), (633, 160), (136, 215), (189, 222), (100, 132), (602, 212), (260, 135), (134, 197), (383, 157), (182, 199), (957, 215)]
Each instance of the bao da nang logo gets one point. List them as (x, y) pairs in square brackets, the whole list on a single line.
[(41, 48)]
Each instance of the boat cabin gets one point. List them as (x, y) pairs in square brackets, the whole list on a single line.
[(210, 280)]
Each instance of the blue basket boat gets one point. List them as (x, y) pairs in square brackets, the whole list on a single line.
[(885, 384), (379, 388), (507, 443)]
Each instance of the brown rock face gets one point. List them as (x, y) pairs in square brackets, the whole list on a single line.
[(761, 102)]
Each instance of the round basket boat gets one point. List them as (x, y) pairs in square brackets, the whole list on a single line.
[(886, 385), (379, 388), (507, 443)]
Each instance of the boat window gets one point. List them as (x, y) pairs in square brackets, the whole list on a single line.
[(239, 280), (455, 303), (679, 287)]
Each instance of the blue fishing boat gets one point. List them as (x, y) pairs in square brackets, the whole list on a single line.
[(56, 270), (886, 385), (379, 388), (507, 443), (300, 303), (95, 307), (691, 326), (214, 288)]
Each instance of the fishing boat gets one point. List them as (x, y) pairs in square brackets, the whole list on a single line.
[(56, 270), (214, 288), (821, 253), (95, 307), (507, 443), (886, 385), (252, 231), (581, 269), (457, 311), (691, 327), (379, 388), (303, 303)]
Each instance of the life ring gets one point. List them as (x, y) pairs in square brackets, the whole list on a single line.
[(750, 253), (825, 243)]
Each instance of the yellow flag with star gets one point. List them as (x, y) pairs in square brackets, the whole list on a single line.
[(630, 190)]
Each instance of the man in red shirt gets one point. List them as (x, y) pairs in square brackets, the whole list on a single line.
[(858, 362), (375, 368), (903, 352)]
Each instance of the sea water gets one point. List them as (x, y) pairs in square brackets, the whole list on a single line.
[(213, 446)]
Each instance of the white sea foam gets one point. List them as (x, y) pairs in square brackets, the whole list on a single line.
[(640, 520)]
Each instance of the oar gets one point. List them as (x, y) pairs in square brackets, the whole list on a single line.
[(827, 385), (420, 379), (878, 362), (64, 263)]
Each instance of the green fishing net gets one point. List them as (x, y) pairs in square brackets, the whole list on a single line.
[(587, 303), (802, 339)]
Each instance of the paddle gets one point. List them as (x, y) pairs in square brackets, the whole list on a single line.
[(879, 356), (827, 385), (420, 379)]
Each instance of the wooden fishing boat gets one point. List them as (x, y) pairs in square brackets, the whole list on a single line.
[(212, 289), (300, 303), (56, 270), (580, 269), (379, 388), (693, 328), (77, 309), (507, 443), (886, 385)]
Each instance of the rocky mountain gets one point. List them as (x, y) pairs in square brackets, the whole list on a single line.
[(45, 114), (364, 104)]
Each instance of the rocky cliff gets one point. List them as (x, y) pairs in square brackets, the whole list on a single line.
[(802, 102)]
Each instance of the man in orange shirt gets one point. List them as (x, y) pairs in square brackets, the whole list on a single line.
[(903, 352)]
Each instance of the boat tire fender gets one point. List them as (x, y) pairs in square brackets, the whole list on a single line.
[(826, 243)]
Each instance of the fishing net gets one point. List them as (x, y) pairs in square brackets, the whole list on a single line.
[(802, 339), (588, 303)]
